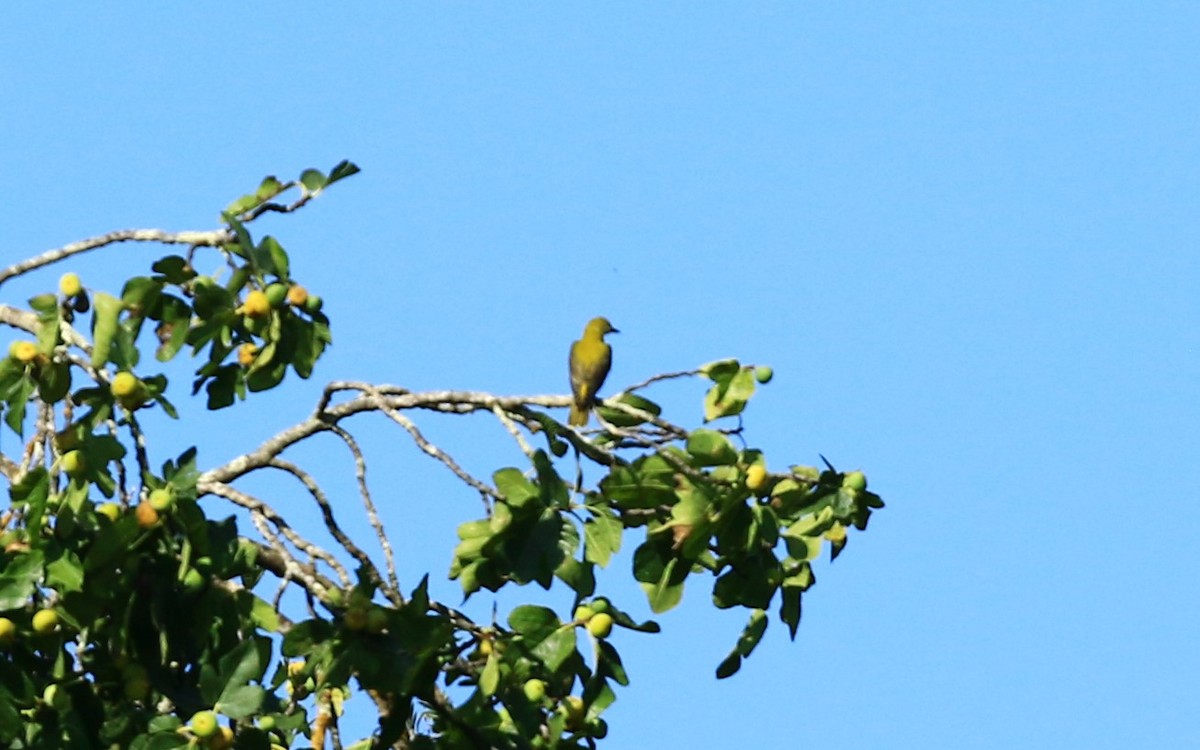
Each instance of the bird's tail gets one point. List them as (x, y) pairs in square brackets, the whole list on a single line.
[(578, 416)]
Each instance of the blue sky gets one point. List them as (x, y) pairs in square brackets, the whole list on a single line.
[(964, 234)]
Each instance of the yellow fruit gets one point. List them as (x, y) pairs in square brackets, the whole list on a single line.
[(111, 511), (146, 515), (246, 354), (756, 477), (222, 740), (297, 295), (584, 613), (23, 351), (69, 285), (855, 480), (45, 621), (74, 463), (573, 709), (124, 384), (535, 690), (257, 305), (203, 724), (600, 625), (8, 632), (161, 499)]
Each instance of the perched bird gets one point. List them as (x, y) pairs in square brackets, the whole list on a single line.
[(590, 360)]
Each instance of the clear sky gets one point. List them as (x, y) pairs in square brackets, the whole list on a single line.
[(965, 235)]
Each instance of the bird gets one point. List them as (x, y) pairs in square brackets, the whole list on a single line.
[(589, 363)]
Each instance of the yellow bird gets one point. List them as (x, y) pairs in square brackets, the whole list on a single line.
[(590, 360)]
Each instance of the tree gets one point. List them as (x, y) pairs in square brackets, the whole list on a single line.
[(129, 617)]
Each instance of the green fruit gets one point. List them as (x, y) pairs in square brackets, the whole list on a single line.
[(598, 728), (137, 687), (193, 581), (377, 620), (161, 499), (763, 374), (266, 723), (535, 690), (45, 621), (559, 448), (584, 613), (203, 724), (600, 605), (600, 625), (313, 303), (74, 463), (276, 294), (8, 632), (355, 618), (855, 480)]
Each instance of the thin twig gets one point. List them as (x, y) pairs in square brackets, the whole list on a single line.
[(360, 473)]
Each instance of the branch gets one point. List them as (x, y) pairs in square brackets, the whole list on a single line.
[(211, 239)]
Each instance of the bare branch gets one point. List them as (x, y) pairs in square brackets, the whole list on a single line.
[(327, 513), (360, 473), (211, 239), (259, 509)]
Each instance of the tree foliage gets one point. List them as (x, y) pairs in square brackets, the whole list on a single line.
[(132, 615)]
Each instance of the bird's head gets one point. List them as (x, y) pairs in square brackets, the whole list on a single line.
[(597, 327)]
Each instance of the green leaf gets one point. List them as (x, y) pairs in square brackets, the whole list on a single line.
[(271, 257), (174, 269), (17, 399), (54, 381), (631, 488), (20, 579), (533, 622), (489, 679), (752, 633), (341, 171), (65, 573), (721, 370), (729, 666), (105, 320), (556, 648), (241, 702), (711, 448), (514, 487), (660, 574), (602, 536), (789, 609), (622, 419)]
